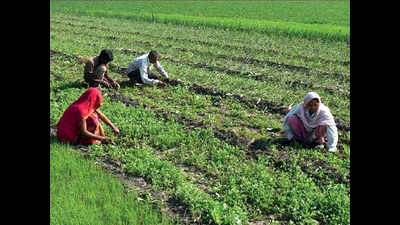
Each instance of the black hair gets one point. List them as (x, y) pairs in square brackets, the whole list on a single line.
[(106, 55), (153, 53)]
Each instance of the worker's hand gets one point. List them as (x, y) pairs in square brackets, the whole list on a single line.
[(107, 85), (161, 83), (116, 85), (106, 140), (116, 130)]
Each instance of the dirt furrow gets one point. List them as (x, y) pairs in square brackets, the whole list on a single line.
[(247, 50)]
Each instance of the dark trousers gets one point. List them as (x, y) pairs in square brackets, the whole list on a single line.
[(134, 76)]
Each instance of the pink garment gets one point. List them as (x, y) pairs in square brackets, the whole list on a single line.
[(322, 117), (318, 135), (68, 125)]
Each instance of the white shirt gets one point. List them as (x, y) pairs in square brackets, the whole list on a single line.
[(143, 63), (331, 130)]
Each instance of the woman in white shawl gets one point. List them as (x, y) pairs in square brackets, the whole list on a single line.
[(311, 122)]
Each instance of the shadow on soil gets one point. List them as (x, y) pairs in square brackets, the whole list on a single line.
[(264, 144), (75, 84)]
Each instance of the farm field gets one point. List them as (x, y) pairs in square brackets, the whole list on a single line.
[(208, 142), (83, 194)]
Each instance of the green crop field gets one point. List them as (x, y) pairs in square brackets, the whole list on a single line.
[(206, 145)]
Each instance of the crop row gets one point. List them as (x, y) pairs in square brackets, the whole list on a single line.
[(240, 42), (261, 104), (141, 160), (242, 59), (256, 90), (249, 75), (278, 182), (148, 129), (206, 59), (158, 198), (224, 135)]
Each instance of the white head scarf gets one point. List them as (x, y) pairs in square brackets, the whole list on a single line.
[(321, 117)]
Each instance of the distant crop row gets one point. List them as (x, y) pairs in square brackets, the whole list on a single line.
[(250, 43), (248, 49), (280, 28), (110, 34)]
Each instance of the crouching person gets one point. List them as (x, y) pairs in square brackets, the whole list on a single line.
[(311, 122), (96, 71), (80, 122), (139, 69)]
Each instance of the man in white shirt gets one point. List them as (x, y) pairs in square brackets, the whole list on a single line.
[(139, 69)]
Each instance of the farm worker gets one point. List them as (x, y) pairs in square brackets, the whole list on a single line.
[(96, 70), (311, 122), (139, 69), (80, 123)]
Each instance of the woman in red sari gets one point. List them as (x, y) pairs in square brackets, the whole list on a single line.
[(80, 122)]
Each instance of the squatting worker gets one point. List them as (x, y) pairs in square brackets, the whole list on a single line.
[(80, 122), (139, 69), (311, 122), (96, 71)]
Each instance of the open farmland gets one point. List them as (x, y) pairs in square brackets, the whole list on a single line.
[(208, 141)]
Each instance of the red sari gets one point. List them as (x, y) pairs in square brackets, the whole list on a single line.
[(84, 108)]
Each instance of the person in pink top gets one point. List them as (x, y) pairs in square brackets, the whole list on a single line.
[(311, 122)]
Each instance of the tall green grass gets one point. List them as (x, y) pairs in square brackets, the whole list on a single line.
[(82, 193), (282, 28)]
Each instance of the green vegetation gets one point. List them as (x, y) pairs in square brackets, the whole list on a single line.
[(82, 193), (214, 155), (314, 20)]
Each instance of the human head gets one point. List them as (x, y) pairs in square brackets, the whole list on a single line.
[(153, 56), (312, 101), (93, 98), (106, 56)]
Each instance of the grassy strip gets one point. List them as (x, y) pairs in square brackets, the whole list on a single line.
[(317, 12), (82, 193), (310, 31)]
